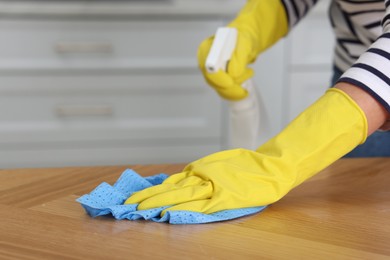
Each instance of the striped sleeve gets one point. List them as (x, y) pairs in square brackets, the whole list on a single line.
[(297, 9), (371, 71)]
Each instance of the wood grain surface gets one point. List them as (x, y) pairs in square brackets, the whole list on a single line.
[(341, 213)]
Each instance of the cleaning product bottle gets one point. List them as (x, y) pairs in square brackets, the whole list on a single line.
[(244, 114)]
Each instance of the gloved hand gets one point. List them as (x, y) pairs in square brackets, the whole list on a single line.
[(260, 24), (240, 178)]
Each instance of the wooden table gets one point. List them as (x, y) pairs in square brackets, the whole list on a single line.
[(342, 213)]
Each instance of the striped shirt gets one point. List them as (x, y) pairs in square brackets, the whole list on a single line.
[(362, 31)]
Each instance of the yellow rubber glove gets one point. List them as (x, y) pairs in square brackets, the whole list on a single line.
[(260, 24), (240, 178)]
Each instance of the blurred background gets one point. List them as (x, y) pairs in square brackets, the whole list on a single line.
[(98, 82)]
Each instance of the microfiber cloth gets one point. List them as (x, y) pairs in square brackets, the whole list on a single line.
[(108, 200)]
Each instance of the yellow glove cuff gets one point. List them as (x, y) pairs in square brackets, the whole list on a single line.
[(323, 133)]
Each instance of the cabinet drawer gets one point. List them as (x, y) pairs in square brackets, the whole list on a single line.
[(79, 154), (305, 88), (107, 106), (56, 43), (312, 40)]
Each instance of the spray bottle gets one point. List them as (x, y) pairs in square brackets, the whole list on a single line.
[(244, 114)]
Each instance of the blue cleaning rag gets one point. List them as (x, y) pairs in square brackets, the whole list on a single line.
[(106, 199)]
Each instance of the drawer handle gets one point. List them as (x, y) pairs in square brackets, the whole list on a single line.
[(83, 47), (83, 110)]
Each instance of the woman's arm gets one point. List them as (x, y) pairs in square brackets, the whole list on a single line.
[(375, 113)]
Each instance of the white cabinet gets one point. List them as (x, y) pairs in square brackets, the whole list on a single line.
[(295, 72), (89, 87), (117, 82), (310, 53)]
